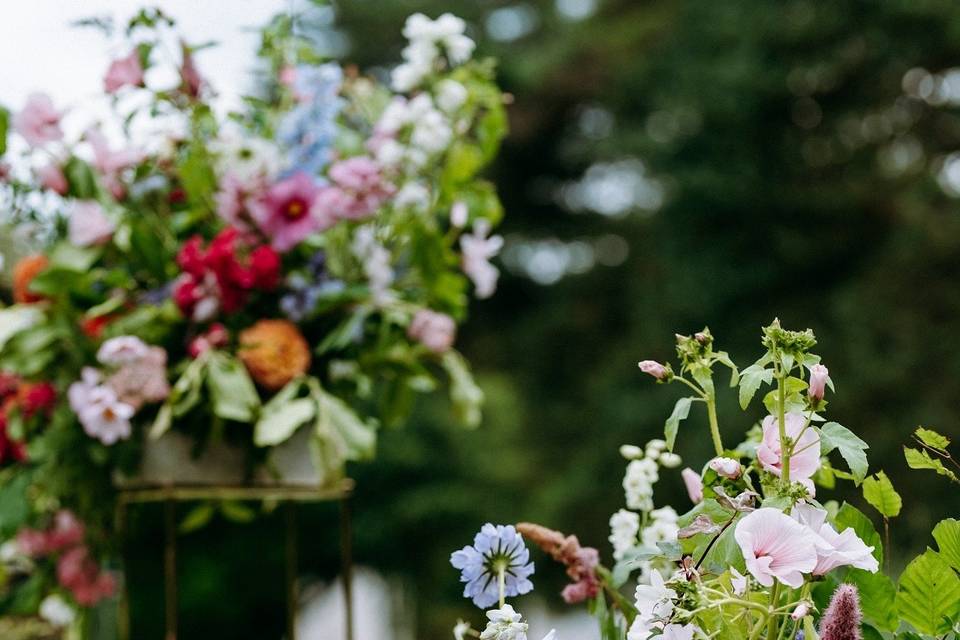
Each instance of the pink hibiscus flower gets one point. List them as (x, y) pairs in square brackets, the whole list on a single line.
[(284, 211)]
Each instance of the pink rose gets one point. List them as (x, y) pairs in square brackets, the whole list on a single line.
[(52, 178), (89, 225), (124, 72), (39, 121), (694, 485), (436, 331), (819, 375)]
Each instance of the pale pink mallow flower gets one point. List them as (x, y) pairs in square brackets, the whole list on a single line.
[(51, 177), (678, 632), (123, 72), (805, 460), (357, 191), (477, 250), (694, 485), (738, 581), (726, 467), (39, 121), (436, 331), (775, 546), (653, 368), (89, 225), (99, 410), (819, 375), (284, 213), (834, 549)]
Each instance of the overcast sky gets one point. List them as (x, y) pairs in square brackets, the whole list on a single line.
[(41, 51)]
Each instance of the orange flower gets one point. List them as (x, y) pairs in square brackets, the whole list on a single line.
[(274, 352), (23, 274)]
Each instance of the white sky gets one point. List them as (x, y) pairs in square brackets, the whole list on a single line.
[(40, 51)]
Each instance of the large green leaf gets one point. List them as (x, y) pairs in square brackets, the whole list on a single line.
[(232, 393), (879, 492), (929, 594), (849, 517), (851, 448), (750, 380), (947, 535), (877, 597), (931, 438), (680, 412), (280, 422)]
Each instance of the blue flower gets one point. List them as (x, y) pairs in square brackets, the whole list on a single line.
[(307, 291), (310, 129), (496, 548)]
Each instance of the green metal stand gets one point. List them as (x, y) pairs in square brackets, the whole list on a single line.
[(289, 495)]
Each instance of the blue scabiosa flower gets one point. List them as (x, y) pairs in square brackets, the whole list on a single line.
[(306, 291), (496, 549), (309, 130)]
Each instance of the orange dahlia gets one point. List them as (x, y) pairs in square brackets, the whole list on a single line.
[(23, 274), (274, 352)]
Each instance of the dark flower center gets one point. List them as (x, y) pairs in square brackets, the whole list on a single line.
[(295, 209)]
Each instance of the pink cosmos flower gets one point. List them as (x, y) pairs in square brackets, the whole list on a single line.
[(834, 549), (88, 224), (123, 72), (691, 479), (358, 190), (819, 375), (51, 177), (653, 368), (726, 467), (436, 331), (477, 250), (774, 545), (98, 408), (284, 211), (805, 460), (39, 121)]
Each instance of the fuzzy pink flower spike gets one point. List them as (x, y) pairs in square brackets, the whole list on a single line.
[(842, 619)]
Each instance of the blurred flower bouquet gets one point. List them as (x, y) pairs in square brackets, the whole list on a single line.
[(290, 275), (759, 555)]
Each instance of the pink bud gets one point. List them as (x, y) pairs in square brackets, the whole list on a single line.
[(800, 611), (818, 381), (694, 485), (726, 467), (654, 368)]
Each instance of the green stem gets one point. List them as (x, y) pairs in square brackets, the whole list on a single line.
[(772, 620), (502, 582), (714, 424), (785, 452)]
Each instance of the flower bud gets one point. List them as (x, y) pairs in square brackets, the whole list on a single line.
[(669, 460), (631, 451), (726, 467), (691, 479), (818, 381), (654, 368), (801, 611)]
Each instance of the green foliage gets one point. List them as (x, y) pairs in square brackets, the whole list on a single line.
[(947, 535), (834, 436), (879, 492), (932, 439), (877, 598), (750, 380), (680, 412), (920, 459), (928, 596), (232, 394), (4, 128)]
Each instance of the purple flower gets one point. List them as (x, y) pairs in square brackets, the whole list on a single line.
[(496, 548)]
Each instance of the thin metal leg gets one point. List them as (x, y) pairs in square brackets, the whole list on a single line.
[(346, 557), (170, 567), (293, 592), (123, 605)]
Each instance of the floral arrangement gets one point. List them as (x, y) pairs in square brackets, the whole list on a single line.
[(291, 274), (760, 554)]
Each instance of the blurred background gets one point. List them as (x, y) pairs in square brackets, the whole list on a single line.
[(671, 164)]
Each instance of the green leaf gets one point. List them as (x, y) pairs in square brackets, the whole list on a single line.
[(81, 179), (680, 412), (197, 518), (851, 448), (917, 459), (877, 597), (947, 535), (236, 511), (849, 517), (879, 492), (931, 438), (343, 434), (231, 391), (4, 127), (750, 380), (72, 258), (14, 509), (467, 398), (929, 594), (277, 423)]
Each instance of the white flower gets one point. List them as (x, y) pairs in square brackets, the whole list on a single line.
[(459, 214), (419, 26), (739, 582), (662, 528), (413, 195), (669, 460), (654, 601), (678, 632), (624, 527), (99, 410), (421, 53), (631, 451), (376, 262), (390, 153), (407, 76), (477, 250), (504, 625), (9, 551), (459, 48), (88, 224), (460, 631), (247, 158), (448, 25), (638, 484), (122, 350), (450, 95), (55, 610), (394, 117), (432, 132)]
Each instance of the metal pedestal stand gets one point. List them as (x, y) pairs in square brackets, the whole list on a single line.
[(290, 495)]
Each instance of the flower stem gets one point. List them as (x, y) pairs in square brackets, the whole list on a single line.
[(785, 450), (772, 620), (714, 424), (502, 583)]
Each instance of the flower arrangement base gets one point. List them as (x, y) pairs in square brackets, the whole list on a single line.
[(139, 491)]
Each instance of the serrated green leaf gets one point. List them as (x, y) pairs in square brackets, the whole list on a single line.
[(750, 380), (680, 412), (834, 436), (879, 492), (849, 517), (947, 535), (917, 459), (929, 594), (931, 438), (877, 597)]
